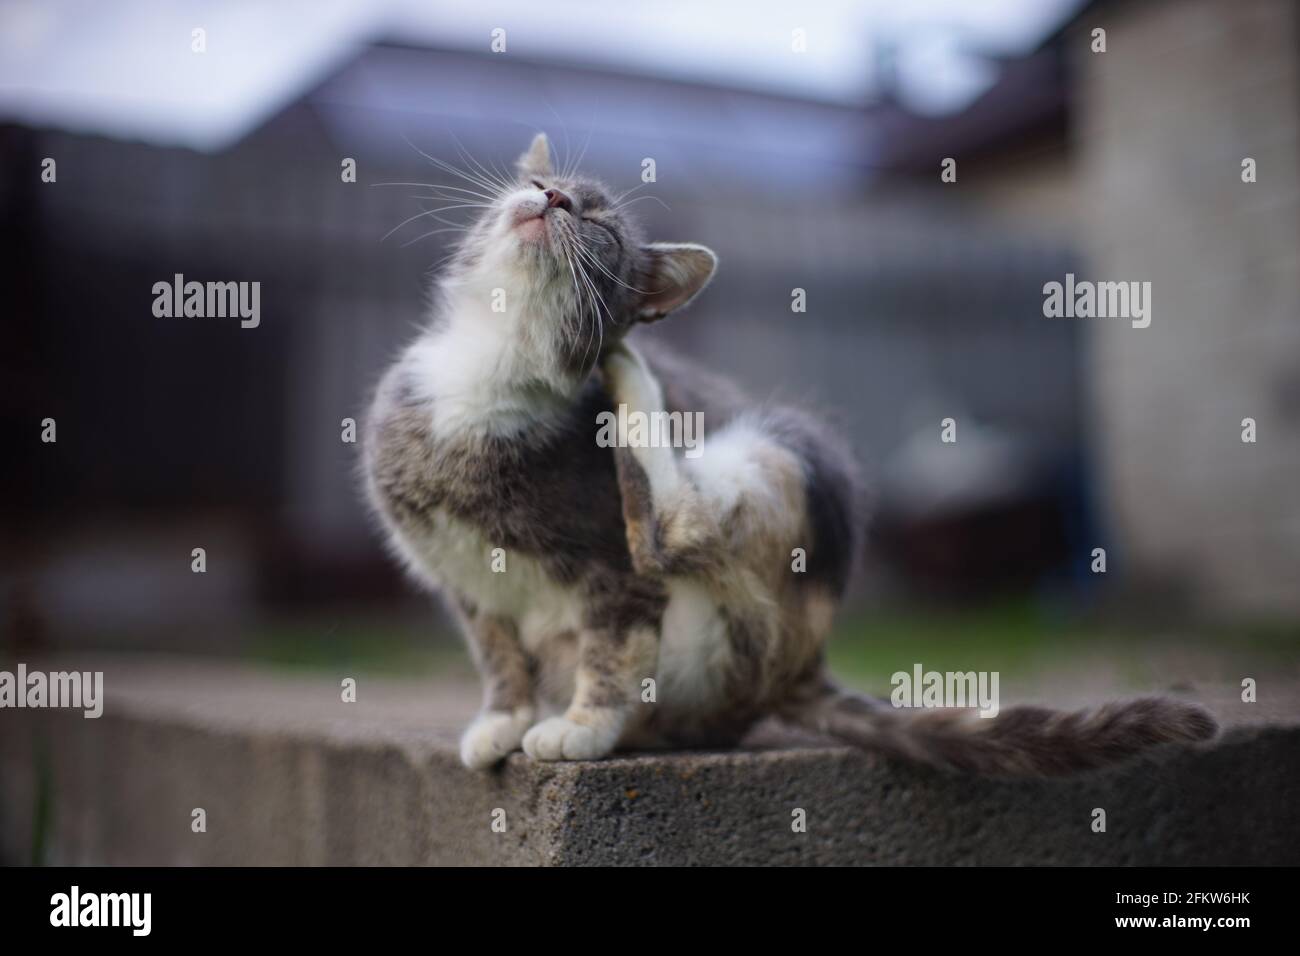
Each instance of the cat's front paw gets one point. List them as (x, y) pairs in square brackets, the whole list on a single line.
[(558, 738), (494, 734)]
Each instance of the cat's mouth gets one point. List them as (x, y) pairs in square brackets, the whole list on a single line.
[(527, 219), (532, 229)]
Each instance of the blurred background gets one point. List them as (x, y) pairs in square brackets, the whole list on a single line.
[(817, 170)]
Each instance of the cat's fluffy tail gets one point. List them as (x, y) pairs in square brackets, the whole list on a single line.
[(1020, 741)]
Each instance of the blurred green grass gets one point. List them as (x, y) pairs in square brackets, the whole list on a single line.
[(1012, 637), (1022, 636), (1017, 637), (359, 644)]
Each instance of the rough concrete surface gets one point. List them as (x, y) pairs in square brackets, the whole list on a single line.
[(289, 774)]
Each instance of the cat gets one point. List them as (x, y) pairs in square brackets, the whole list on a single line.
[(633, 596)]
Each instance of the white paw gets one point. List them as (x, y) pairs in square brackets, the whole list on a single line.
[(558, 738), (631, 382), (492, 736)]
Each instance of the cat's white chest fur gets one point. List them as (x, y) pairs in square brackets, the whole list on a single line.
[(456, 556), (469, 368), (464, 372)]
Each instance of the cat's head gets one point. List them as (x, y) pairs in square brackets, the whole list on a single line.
[(565, 245)]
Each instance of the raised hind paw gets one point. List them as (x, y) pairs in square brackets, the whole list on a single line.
[(631, 382), (493, 735), (558, 738)]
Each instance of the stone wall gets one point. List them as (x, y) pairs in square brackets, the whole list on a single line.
[(1163, 119), (288, 774)]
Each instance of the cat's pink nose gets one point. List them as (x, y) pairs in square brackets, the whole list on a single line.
[(556, 198)]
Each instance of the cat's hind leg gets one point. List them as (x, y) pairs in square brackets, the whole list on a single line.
[(670, 529), (727, 522), (740, 503)]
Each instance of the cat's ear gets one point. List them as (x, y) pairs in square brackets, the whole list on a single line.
[(537, 160), (676, 273)]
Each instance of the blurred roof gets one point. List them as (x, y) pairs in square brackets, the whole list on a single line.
[(127, 70)]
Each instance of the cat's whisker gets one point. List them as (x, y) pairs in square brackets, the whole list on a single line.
[(410, 219), (432, 232), (456, 199), (586, 291), (463, 205), (469, 158), (443, 261), (465, 194), (471, 192), (627, 192), (462, 174), (581, 288), (565, 127), (598, 303), (591, 260), (568, 261), (570, 169), (505, 175), (495, 188), (621, 206), (434, 213), (438, 185), (600, 322), (472, 176), (613, 278), (592, 327)]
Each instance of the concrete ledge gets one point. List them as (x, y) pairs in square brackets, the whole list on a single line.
[(288, 774)]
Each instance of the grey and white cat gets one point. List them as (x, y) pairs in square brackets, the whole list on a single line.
[(625, 564)]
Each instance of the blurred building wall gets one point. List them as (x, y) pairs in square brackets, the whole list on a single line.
[(183, 433), (1164, 118)]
